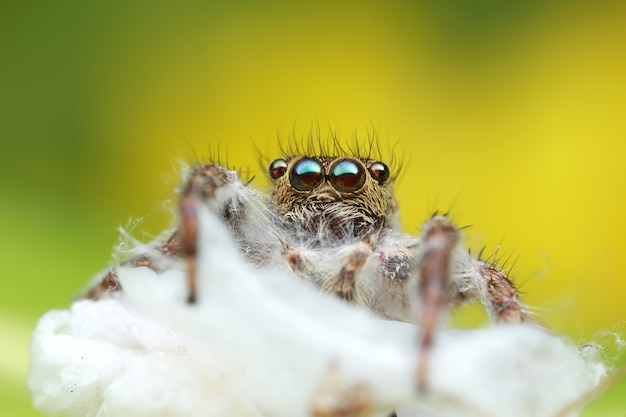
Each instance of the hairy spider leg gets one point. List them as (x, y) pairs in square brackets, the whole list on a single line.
[(189, 241), (345, 284), (476, 278), (107, 284), (202, 188), (439, 238), (448, 277)]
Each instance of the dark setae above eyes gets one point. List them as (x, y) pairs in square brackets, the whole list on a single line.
[(345, 175)]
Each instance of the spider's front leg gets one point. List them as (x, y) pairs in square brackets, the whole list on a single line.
[(448, 276), (210, 185), (439, 239), (346, 283), (216, 187)]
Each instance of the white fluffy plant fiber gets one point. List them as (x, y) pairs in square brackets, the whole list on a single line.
[(259, 343)]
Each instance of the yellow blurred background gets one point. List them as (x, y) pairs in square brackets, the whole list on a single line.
[(510, 113)]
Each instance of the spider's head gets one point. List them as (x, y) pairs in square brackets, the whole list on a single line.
[(346, 197)]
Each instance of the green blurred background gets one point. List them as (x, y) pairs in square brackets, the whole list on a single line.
[(512, 113)]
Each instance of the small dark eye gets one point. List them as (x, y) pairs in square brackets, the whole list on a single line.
[(278, 168), (379, 171), (306, 174), (347, 175)]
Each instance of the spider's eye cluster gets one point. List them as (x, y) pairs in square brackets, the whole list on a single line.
[(346, 175)]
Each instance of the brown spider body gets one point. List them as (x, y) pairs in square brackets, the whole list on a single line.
[(331, 221)]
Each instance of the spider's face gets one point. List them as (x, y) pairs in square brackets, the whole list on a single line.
[(342, 196)]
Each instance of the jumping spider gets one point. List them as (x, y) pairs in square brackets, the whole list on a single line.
[(331, 221)]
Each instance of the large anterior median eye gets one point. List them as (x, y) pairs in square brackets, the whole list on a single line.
[(306, 174), (278, 168), (347, 175)]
